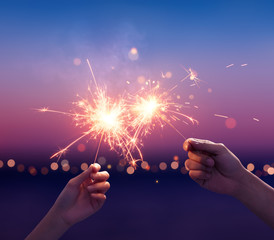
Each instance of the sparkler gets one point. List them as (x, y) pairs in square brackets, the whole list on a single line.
[(154, 107), (193, 76), (122, 123)]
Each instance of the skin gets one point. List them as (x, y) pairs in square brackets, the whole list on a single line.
[(214, 167), (82, 197)]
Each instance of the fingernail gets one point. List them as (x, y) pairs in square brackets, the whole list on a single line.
[(210, 162), (97, 165), (187, 168), (194, 140)]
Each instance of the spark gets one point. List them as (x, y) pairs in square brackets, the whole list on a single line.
[(243, 65), (221, 116), (155, 107), (230, 65), (193, 76), (105, 119), (256, 119)]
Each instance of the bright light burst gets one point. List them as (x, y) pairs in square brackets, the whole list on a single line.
[(122, 123), (155, 107)]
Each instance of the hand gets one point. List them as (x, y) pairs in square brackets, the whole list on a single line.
[(213, 166), (83, 195)]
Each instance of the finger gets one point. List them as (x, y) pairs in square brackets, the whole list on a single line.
[(193, 165), (101, 187), (201, 158), (95, 167), (78, 180), (98, 196), (99, 176), (199, 175), (195, 144)]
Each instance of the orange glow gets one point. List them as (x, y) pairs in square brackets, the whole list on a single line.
[(11, 163), (266, 167), (175, 158), (230, 123), (250, 167), (20, 168), (163, 166), (66, 167), (1, 163), (144, 165), (174, 165), (54, 166), (130, 170), (270, 170), (183, 170), (81, 147), (84, 166), (44, 170), (109, 166), (32, 170)]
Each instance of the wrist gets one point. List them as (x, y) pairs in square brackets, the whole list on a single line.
[(242, 185), (57, 221)]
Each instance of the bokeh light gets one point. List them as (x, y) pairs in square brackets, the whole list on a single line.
[(76, 61), (64, 162), (183, 170), (1, 163), (32, 170), (81, 147), (141, 79), (230, 123), (122, 162), (130, 170), (168, 75), (174, 165), (11, 163), (109, 166), (102, 161), (120, 168), (66, 167), (54, 166), (84, 166), (163, 166), (44, 170), (266, 167), (133, 54), (270, 170), (20, 168), (175, 158), (250, 167)]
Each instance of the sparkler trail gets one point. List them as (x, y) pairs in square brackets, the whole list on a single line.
[(122, 123)]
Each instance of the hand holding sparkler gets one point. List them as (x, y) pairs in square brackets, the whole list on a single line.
[(82, 196), (216, 168)]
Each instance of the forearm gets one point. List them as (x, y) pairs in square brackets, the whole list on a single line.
[(51, 227), (258, 197)]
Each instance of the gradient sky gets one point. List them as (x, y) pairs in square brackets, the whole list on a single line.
[(40, 39)]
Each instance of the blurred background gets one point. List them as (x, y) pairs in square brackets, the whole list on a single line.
[(43, 50)]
